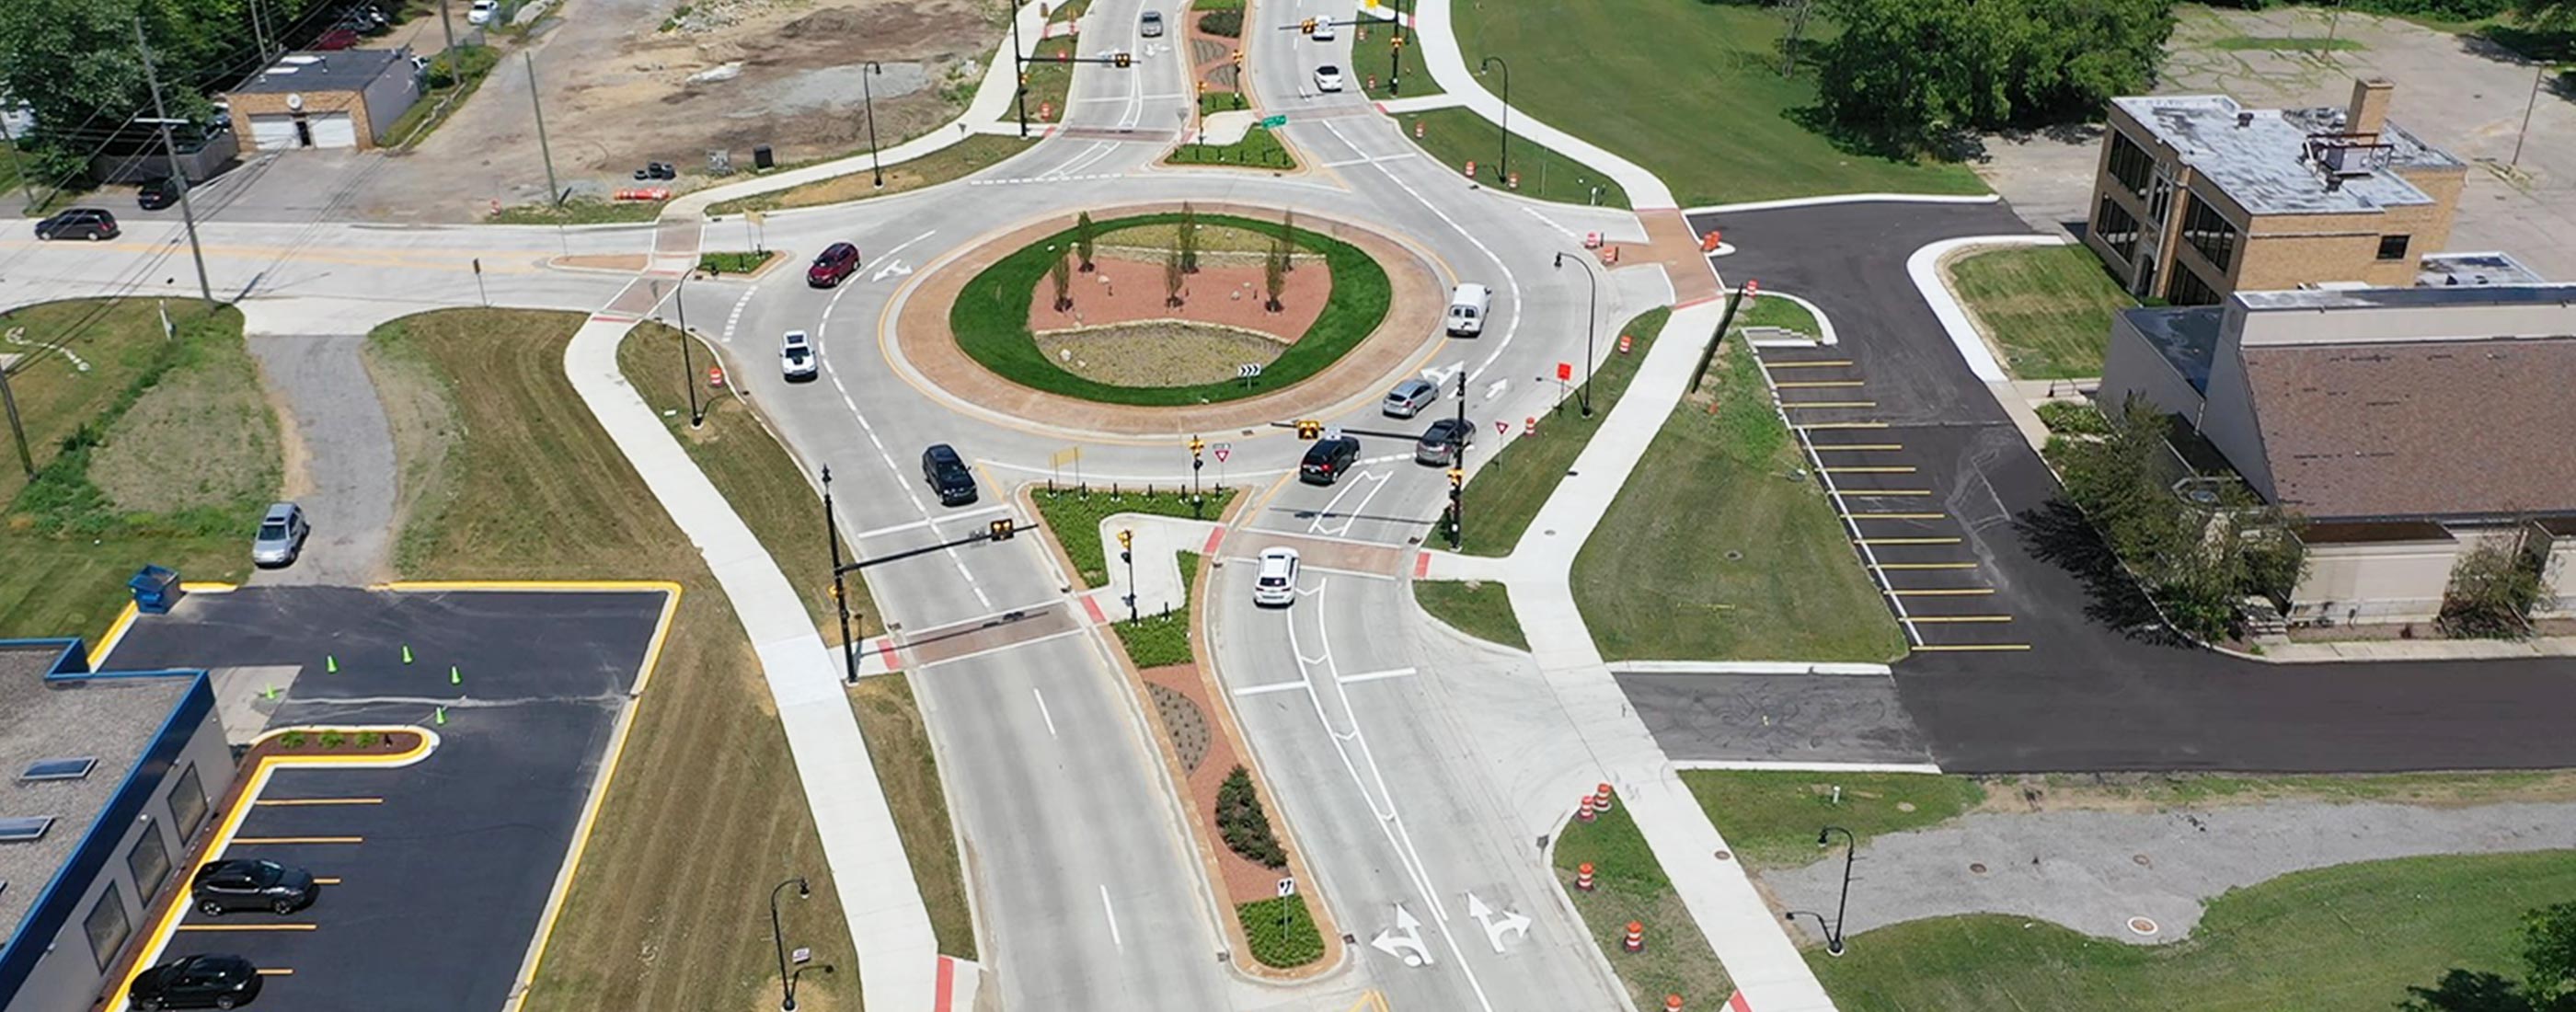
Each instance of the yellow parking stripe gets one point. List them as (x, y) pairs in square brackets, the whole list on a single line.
[(249, 840), (1896, 516), (1811, 426), (1909, 541), (1960, 618), (1873, 469), (1927, 565), (1818, 364), (331, 881), (1817, 384), (1828, 404), (275, 971), (248, 927), (319, 801), (1830, 447), (1944, 592), (1962, 647)]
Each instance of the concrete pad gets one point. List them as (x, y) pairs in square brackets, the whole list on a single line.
[(247, 697), (1223, 128)]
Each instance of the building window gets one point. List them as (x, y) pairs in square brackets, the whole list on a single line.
[(149, 861), (2116, 228), (2393, 247), (187, 803), (107, 926), (2210, 233), (2187, 289), (2130, 164)]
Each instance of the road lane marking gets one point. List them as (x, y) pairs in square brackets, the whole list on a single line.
[(1372, 676), (275, 971), (1927, 565), (1255, 690), (1042, 710), (734, 319), (1872, 469), (1112, 913), (1968, 647), (247, 840), (1908, 541), (1895, 516), (1962, 618), (264, 802), (1828, 404), (1863, 493), (1943, 592), (1833, 447), (1816, 384), (329, 881), (1810, 426), (1511, 281), (928, 521)]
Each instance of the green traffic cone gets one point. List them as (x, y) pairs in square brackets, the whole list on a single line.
[(406, 653), (271, 693), (454, 678), (330, 664), (440, 718)]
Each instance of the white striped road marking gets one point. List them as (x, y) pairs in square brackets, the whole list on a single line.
[(735, 319), (1371, 676)]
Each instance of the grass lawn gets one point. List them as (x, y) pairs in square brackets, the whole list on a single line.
[(736, 261), (159, 452), (1281, 932), (1509, 489), (1222, 101), (1656, 582), (577, 211), (1770, 819), (899, 748), (1726, 135), (1370, 58), (956, 161), (1162, 638), (2348, 937), (991, 319), (1774, 311), (2048, 308), (1455, 136), (1047, 82), (1479, 609), (1259, 149), (1073, 515), (10, 171), (748, 464), (1630, 885), (523, 464)]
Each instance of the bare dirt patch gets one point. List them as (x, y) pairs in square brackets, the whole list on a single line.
[(202, 437), (1159, 353), (2156, 792)]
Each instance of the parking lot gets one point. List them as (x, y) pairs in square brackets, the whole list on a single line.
[(436, 875)]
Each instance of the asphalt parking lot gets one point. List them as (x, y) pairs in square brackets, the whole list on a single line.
[(437, 874)]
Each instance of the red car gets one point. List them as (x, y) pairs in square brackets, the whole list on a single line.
[(337, 38), (837, 262)]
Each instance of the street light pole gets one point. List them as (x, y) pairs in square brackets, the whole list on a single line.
[(867, 93), (1591, 322), (840, 593), (1019, 70), (778, 935), (1834, 938), (688, 369), (1395, 54), (1496, 61)]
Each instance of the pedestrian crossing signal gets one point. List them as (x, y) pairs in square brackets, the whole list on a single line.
[(1003, 529), (1309, 428)]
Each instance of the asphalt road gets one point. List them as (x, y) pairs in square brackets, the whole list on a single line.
[(489, 816), (2102, 688)]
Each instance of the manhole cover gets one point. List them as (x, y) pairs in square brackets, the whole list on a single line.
[(2142, 926), (1724, 856), (1978, 867), (2142, 860), (1734, 556)]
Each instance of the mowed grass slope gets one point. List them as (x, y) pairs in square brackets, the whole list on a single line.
[(176, 455), (2047, 308), (1509, 489), (2352, 936), (1690, 90), (706, 806), (1455, 137)]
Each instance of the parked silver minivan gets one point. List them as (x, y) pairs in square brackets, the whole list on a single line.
[(1468, 305)]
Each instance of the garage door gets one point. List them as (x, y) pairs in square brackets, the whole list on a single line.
[(272, 133), (334, 130)]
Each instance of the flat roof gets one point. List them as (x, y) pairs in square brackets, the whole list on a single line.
[(2187, 337), (2261, 163), (2362, 532), (308, 72), (2403, 298), (2448, 270), (114, 720)]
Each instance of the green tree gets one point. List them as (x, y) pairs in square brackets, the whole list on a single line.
[(1243, 823), (74, 63), (1907, 75), (1274, 272), (1082, 236), (1061, 272), (2549, 951), (1172, 274), (1189, 239), (2495, 585)]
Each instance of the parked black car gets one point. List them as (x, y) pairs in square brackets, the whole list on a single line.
[(223, 982), (93, 223), (159, 193), (948, 475), (223, 887), (1328, 460)]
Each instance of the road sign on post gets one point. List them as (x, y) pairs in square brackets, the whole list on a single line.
[(1274, 122), (1564, 371)]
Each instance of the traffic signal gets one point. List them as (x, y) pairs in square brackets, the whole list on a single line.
[(1126, 539), (1196, 445), (1202, 88), (1122, 59), (1308, 428), (1457, 477), (1399, 42), (1306, 27), (1003, 529), (1238, 59), (1024, 80)]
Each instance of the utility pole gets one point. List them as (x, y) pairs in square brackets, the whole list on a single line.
[(868, 93), (170, 150), (1395, 54), (259, 31), (26, 461), (448, 26), (1458, 475), (2527, 106), (554, 193), (1490, 63)]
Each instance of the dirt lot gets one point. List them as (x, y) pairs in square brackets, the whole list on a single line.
[(2459, 92), (619, 90)]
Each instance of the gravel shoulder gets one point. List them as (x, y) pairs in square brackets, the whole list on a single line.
[(345, 470)]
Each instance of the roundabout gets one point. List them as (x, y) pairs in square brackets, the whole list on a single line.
[(1139, 344)]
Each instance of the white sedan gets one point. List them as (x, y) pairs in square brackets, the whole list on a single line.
[(796, 356), (1328, 78), (1276, 586), (482, 12)]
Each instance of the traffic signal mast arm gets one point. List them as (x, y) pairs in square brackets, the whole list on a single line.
[(998, 530)]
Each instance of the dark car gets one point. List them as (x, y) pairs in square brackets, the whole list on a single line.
[(836, 263), (947, 474), (1442, 441), (91, 223), (159, 193), (1328, 460), (224, 887), (197, 982), (337, 38)]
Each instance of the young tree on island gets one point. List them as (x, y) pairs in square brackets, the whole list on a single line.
[(1189, 243), (1274, 272), (1082, 235), (1062, 273), (1172, 277)]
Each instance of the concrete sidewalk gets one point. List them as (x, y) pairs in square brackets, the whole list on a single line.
[(1159, 582), (898, 956)]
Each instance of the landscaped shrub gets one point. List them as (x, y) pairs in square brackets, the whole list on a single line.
[(1225, 23), (2073, 418), (1246, 827), (1281, 931)]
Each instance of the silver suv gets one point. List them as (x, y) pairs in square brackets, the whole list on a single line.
[(281, 536), (1409, 398)]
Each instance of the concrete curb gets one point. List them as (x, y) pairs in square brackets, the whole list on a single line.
[(1846, 198)]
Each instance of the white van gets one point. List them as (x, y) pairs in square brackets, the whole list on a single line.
[(1468, 305)]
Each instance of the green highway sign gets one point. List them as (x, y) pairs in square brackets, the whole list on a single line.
[(1274, 122)]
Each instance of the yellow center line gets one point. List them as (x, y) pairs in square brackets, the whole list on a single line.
[(1831, 447), (248, 927), (1828, 404), (1909, 541), (248, 840), (1944, 592), (1960, 618), (1962, 647), (1812, 426), (1927, 565), (320, 801), (1818, 364), (1872, 469), (1817, 384), (1896, 516)]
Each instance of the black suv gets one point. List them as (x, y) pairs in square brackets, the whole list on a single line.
[(947, 474), (197, 982), (1327, 460), (223, 887), (159, 193), (91, 223)]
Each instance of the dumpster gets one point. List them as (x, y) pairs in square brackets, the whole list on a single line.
[(155, 590)]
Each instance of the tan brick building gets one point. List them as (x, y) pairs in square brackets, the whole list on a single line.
[(341, 99), (2195, 198)]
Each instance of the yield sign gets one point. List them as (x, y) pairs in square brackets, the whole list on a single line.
[(1223, 452), (1502, 428)]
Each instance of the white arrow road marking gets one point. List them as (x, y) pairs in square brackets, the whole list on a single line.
[(1404, 940), (1112, 913), (1440, 377), (1513, 922), (1496, 388), (892, 269)]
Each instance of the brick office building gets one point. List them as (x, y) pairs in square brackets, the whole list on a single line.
[(342, 99)]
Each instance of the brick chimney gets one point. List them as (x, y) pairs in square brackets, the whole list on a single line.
[(2368, 113)]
